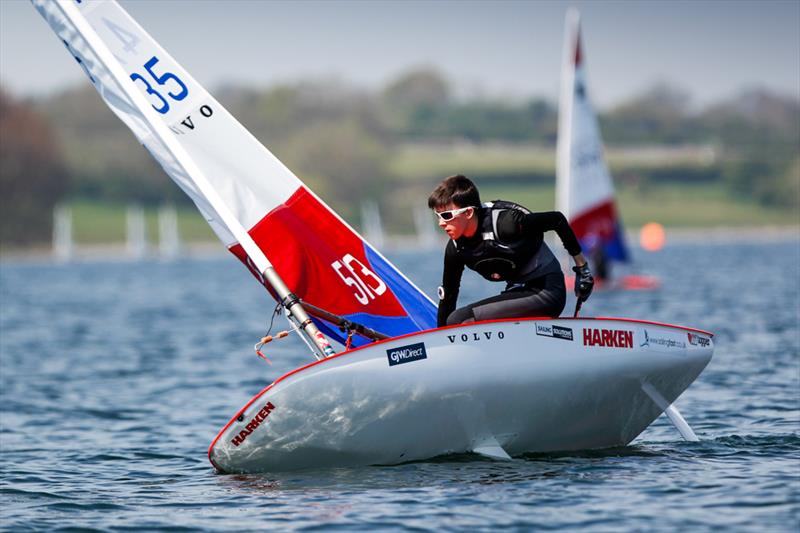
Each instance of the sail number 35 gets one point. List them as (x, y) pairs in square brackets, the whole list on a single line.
[(367, 285), (161, 79)]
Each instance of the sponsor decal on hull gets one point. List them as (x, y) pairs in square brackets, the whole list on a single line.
[(607, 338), (557, 332), (476, 336), (253, 424), (651, 341), (698, 340), (406, 354)]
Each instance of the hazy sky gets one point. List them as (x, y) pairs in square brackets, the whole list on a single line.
[(504, 48)]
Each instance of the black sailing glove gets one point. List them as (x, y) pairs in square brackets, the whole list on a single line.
[(584, 282)]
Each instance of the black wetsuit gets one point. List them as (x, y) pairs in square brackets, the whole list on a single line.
[(534, 288)]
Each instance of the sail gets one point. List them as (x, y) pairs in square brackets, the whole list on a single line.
[(584, 189), (237, 184)]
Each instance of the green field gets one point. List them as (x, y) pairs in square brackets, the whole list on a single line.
[(105, 223), (677, 206), (674, 206), (417, 162), (675, 186), (422, 162)]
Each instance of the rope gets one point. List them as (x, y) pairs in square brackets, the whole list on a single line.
[(269, 338)]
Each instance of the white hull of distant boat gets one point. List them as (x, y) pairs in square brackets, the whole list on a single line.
[(496, 388)]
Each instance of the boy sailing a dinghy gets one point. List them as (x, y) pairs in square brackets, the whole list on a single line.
[(502, 241)]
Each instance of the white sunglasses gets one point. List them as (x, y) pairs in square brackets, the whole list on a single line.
[(449, 215)]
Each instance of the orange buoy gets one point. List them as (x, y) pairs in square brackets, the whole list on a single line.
[(652, 236)]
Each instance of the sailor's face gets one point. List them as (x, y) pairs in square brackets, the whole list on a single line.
[(457, 225)]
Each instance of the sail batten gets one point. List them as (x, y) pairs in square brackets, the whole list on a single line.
[(260, 210)]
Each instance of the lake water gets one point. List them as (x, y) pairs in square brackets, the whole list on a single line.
[(117, 376)]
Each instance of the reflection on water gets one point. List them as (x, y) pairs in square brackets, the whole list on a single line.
[(116, 376)]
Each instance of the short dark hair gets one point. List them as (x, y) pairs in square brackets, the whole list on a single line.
[(456, 189)]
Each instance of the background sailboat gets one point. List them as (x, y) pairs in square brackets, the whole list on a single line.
[(584, 188)]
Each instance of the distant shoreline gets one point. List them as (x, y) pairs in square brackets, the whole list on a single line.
[(118, 252)]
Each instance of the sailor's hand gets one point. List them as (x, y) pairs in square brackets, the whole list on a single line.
[(584, 282)]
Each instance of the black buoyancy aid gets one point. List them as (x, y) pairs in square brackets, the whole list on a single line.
[(496, 260)]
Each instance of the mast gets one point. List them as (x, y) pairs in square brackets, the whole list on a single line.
[(161, 132)]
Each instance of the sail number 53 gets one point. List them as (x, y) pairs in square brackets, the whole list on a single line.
[(366, 284)]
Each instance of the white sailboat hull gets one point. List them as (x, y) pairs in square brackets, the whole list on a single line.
[(513, 385)]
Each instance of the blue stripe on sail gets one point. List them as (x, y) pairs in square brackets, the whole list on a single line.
[(614, 247)]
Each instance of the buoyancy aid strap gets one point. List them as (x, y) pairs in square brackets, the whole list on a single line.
[(495, 217)]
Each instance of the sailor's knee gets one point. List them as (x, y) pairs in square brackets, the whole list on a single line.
[(452, 320), (460, 316), (557, 304)]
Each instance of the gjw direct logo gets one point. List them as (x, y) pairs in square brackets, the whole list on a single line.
[(406, 354)]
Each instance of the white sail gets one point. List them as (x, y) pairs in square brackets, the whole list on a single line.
[(63, 246), (136, 232), (425, 227), (169, 238), (584, 188), (371, 223)]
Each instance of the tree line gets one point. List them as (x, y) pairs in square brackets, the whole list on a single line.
[(340, 139)]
